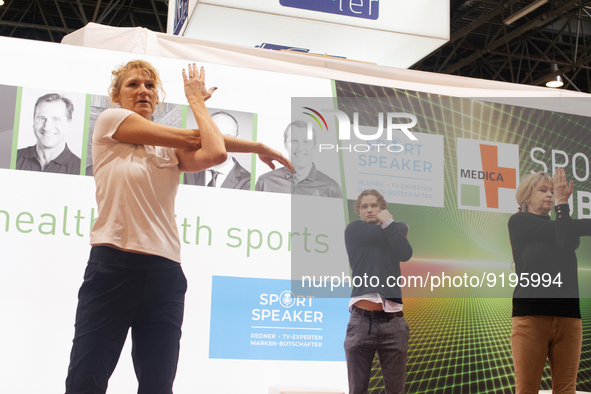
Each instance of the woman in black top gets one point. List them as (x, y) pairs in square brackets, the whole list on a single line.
[(546, 314)]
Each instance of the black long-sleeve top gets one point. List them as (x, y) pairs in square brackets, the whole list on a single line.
[(543, 246), (374, 251)]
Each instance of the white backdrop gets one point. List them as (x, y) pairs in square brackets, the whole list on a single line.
[(42, 272)]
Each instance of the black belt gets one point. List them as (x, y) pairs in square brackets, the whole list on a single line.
[(376, 314)]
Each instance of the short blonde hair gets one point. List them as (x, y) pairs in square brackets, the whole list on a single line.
[(528, 184), (118, 74), (370, 192)]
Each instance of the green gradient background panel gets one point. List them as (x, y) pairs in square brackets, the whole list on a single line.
[(463, 345)]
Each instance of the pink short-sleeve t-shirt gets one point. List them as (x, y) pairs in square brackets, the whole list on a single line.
[(136, 187)]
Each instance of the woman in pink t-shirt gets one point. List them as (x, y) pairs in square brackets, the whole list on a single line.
[(134, 278)]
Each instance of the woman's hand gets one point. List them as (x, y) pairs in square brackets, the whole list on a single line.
[(195, 84), (268, 155), (562, 190)]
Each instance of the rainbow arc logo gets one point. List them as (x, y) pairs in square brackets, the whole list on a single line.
[(315, 116), (390, 124)]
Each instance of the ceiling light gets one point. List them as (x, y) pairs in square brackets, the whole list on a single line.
[(555, 83)]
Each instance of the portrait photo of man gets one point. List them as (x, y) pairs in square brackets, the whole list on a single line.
[(307, 180), (52, 124), (229, 174)]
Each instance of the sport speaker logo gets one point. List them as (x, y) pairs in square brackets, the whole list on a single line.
[(488, 175)]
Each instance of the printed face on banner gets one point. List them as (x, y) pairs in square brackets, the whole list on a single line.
[(299, 146), (488, 175), (234, 173), (51, 124), (50, 121), (315, 174), (227, 125)]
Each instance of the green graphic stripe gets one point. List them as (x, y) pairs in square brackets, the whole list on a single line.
[(15, 129), (183, 126), (184, 117), (86, 129), (335, 100), (253, 160)]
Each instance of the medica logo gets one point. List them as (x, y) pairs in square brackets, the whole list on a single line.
[(488, 175)]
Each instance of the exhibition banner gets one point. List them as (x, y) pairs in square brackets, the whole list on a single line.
[(263, 248)]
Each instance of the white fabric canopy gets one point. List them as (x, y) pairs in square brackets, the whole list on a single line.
[(143, 41)]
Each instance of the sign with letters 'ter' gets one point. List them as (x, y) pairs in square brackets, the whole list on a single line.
[(367, 9)]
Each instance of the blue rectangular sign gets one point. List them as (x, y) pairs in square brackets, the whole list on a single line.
[(262, 319), (367, 9), (180, 15), (275, 47)]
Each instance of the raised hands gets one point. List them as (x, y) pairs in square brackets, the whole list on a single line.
[(562, 190), (195, 84)]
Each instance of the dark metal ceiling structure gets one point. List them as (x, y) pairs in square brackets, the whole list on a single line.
[(51, 20), (519, 41)]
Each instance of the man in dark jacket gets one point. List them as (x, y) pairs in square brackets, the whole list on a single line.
[(376, 245)]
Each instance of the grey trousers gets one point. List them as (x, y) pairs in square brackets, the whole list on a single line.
[(387, 336)]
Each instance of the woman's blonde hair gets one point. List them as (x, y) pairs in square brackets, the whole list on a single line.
[(528, 184), (118, 74)]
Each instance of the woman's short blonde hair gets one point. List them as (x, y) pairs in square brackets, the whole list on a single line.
[(118, 74), (528, 184), (370, 192)]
